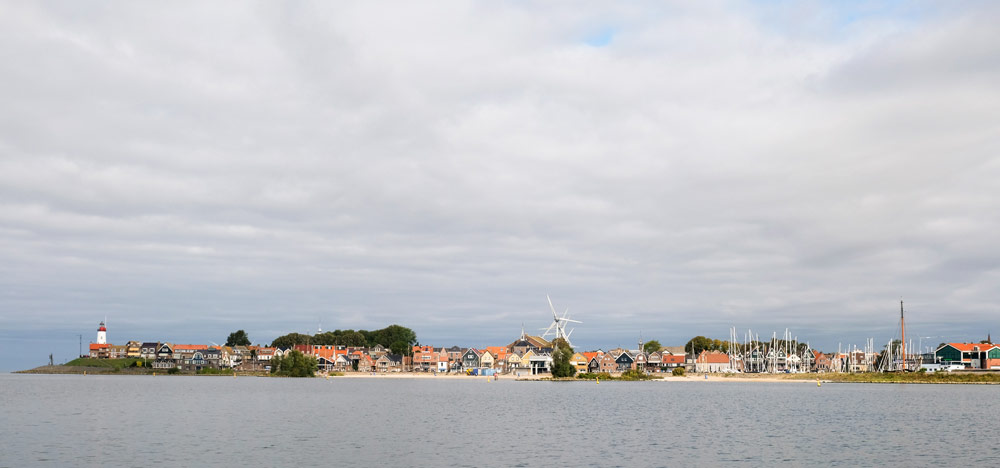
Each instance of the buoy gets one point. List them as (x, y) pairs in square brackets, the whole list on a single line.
[(818, 384), (598, 379)]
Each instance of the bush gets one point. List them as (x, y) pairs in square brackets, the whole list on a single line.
[(634, 374), (173, 370), (294, 364), (211, 371), (678, 372)]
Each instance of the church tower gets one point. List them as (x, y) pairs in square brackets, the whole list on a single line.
[(102, 334)]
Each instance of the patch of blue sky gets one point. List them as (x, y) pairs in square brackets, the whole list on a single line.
[(601, 37), (831, 19)]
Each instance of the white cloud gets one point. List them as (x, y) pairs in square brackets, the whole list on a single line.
[(445, 169)]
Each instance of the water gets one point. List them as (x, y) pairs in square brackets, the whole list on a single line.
[(54, 420)]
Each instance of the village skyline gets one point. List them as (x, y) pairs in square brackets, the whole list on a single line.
[(669, 170)]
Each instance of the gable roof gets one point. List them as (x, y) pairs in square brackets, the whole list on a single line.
[(713, 357), (971, 347), (673, 349), (672, 359)]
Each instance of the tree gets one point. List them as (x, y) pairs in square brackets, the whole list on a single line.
[(294, 364), (561, 355), (238, 338), (698, 344), (395, 337), (289, 340), (651, 346)]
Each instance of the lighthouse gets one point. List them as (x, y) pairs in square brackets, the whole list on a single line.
[(102, 334)]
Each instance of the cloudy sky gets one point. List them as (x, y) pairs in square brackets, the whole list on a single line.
[(669, 169)]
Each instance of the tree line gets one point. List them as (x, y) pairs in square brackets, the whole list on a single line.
[(398, 339)]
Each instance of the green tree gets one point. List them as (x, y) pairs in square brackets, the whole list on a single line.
[(698, 344), (238, 338), (289, 340), (561, 355), (395, 337), (294, 364), (651, 346)]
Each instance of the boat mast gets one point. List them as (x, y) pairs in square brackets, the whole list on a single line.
[(902, 326)]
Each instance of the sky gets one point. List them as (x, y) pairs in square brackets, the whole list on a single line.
[(663, 170)]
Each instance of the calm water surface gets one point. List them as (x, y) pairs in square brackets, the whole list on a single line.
[(54, 420)]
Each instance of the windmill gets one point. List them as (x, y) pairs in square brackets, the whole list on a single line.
[(558, 326)]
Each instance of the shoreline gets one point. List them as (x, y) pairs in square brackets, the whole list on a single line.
[(949, 379)]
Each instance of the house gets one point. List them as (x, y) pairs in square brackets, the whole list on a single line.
[(821, 362), (541, 363), (594, 365), (970, 355), (513, 362), (133, 349), (470, 360), (486, 359), (712, 361), (377, 350), (500, 356), (454, 357), (608, 363), (425, 358), (342, 363), (148, 350), (100, 350), (365, 363), (579, 361), (164, 357), (118, 352), (641, 359), (624, 362), (523, 363), (324, 365), (654, 362), (669, 362), (196, 358), (389, 363)]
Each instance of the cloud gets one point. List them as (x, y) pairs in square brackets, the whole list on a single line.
[(206, 167)]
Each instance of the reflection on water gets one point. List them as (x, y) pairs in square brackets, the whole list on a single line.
[(52, 420)]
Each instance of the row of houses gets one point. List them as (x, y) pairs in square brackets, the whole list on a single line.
[(526, 355)]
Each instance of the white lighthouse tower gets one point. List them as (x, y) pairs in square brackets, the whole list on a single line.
[(102, 334)]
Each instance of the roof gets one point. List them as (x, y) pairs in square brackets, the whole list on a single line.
[(191, 346), (672, 359), (713, 357), (499, 352), (533, 341), (970, 347), (590, 355), (99, 345), (674, 350)]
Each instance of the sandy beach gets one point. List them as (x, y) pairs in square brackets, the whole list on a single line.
[(667, 378)]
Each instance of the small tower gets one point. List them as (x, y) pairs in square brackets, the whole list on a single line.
[(102, 334)]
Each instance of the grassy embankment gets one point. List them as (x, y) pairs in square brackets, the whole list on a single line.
[(93, 366), (892, 377), (628, 376)]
